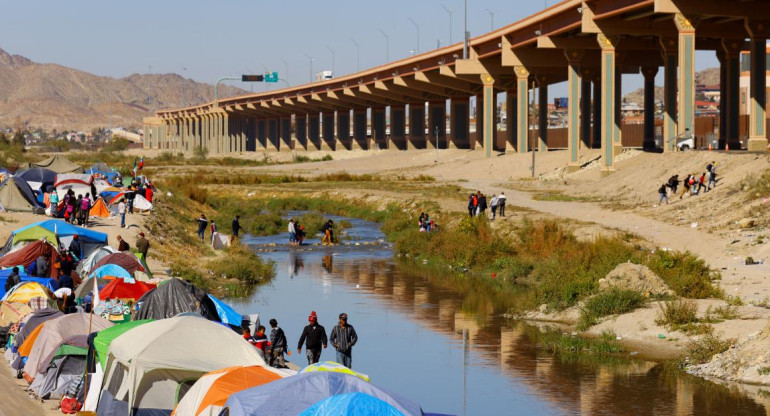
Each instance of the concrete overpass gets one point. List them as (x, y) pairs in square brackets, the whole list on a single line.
[(590, 44)]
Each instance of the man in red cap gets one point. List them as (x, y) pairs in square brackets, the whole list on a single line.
[(314, 336)]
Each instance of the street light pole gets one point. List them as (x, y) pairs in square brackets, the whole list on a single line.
[(387, 45), (449, 12), (358, 55), (333, 58), (285, 71), (416, 26), (466, 35), (491, 19), (311, 59)]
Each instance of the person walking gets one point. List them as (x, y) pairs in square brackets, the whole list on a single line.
[(42, 266), (712, 182), (292, 233), (213, 230), (74, 248), (143, 245), (202, 224), (501, 204), (493, 203), (236, 225), (685, 186), (328, 230), (482, 204), (122, 212), (673, 183), (701, 183), (130, 195), (278, 344), (85, 208), (343, 338), (314, 337), (54, 200), (123, 244), (471, 205), (663, 194)]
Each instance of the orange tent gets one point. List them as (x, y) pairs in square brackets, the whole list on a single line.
[(99, 209), (26, 347), (209, 394)]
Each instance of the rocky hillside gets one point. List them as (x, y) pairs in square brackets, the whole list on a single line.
[(709, 76), (53, 96)]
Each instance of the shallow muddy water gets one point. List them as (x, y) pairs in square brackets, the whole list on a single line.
[(447, 346)]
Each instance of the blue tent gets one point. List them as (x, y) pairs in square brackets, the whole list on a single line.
[(62, 229), (45, 281), (292, 395), (351, 404), (113, 270), (226, 313), (42, 175)]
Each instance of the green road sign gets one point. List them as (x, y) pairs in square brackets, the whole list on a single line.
[(271, 77)]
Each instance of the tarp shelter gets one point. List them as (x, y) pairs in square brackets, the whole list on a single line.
[(141, 203), (29, 253), (87, 265), (87, 286), (44, 177), (50, 229), (16, 195), (112, 270), (58, 164), (99, 209), (25, 291), (55, 332), (333, 367), (174, 297), (226, 313), (119, 289), (210, 392), (351, 404), (151, 367), (125, 260), (12, 312), (65, 371), (100, 185), (101, 167), (220, 241), (292, 395)]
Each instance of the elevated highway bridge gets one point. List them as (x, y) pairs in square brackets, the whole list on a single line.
[(589, 44)]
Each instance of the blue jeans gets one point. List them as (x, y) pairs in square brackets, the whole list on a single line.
[(123, 219), (662, 197), (345, 359)]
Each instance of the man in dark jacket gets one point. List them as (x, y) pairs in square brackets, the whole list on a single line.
[(236, 225), (13, 279), (315, 335), (75, 247), (343, 338), (278, 344)]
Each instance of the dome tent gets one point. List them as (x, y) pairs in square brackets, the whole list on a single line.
[(174, 297)]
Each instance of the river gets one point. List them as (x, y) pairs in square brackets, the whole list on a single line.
[(448, 346)]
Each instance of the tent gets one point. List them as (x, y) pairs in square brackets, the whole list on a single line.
[(100, 185), (12, 312), (87, 286), (25, 291), (141, 203), (79, 183), (86, 265), (220, 241), (112, 270), (26, 348), (35, 319), (54, 332), (64, 371), (292, 395), (16, 195), (207, 396), (100, 342), (119, 289), (335, 367), (50, 229), (351, 404), (47, 282), (58, 164), (29, 253), (125, 260), (45, 177), (101, 167), (226, 313), (99, 209), (174, 297), (152, 366), (113, 197)]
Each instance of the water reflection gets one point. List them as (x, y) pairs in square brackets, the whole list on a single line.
[(441, 339)]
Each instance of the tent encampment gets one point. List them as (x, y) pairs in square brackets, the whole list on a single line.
[(58, 164), (119, 289), (174, 297), (55, 332), (151, 367), (210, 392), (17, 195), (51, 229), (292, 395)]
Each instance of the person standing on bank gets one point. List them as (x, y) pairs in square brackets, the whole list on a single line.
[(278, 344), (236, 225), (501, 204), (343, 338), (314, 336)]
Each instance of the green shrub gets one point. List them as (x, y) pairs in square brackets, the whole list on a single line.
[(701, 350), (512, 268), (687, 275), (613, 302), (565, 344), (674, 314), (240, 263), (201, 152)]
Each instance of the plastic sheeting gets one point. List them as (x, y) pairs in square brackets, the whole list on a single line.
[(226, 313), (175, 297)]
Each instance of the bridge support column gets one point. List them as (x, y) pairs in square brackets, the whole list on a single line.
[(314, 131), (686, 88), (574, 86), (510, 120), (437, 125), (649, 73), (488, 115), (522, 108), (273, 133), (224, 134), (670, 115), (328, 142), (730, 102), (608, 100), (398, 127), (585, 109), (343, 130), (416, 138), (459, 122), (542, 114), (596, 139), (261, 134), (617, 135), (360, 139), (759, 32), (286, 143), (300, 123), (378, 128)]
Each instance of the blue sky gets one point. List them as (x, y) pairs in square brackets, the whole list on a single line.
[(212, 39)]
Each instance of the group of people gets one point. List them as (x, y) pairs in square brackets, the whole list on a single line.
[(203, 223), (343, 337), (426, 223), (692, 184), (477, 204), (296, 233), (73, 210)]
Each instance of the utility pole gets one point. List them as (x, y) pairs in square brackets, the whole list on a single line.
[(387, 45), (466, 35), (358, 55), (311, 59), (491, 19), (417, 27), (449, 12)]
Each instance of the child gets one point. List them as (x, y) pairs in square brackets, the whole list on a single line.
[(260, 340)]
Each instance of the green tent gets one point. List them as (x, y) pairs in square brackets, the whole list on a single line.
[(67, 349), (58, 164), (104, 338)]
